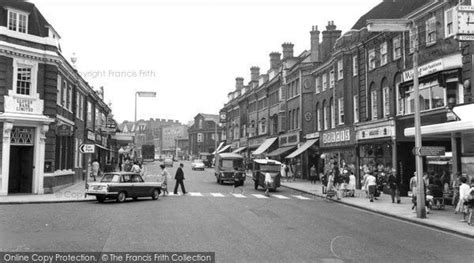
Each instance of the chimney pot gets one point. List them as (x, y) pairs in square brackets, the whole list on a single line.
[(315, 52), (275, 60), (254, 73), (287, 50), (239, 83)]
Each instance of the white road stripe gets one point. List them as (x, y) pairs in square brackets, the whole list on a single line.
[(239, 195), (217, 195), (260, 196), (280, 196), (195, 194), (302, 197)]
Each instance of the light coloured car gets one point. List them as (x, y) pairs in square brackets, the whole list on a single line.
[(198, 164), (168, 162)]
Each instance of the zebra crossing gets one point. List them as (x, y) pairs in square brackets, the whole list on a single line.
[(243, 196)]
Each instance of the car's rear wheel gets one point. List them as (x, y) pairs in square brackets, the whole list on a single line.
[(156, 194), (100, 199), (121, 197)]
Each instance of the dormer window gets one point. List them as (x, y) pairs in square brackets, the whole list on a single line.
[(18, 21)]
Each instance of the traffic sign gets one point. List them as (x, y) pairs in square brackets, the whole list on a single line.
[(430, 151), (87, 148)]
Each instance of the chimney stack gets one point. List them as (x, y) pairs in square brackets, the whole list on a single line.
[(330, 35), (287, 50), (254, 73), (274, 60), (315, 44), (239, 83)]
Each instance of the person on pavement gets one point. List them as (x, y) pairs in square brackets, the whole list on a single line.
[(237, 182), (352, 184), (164, 179), (179, 177), (370, 185), (394, 190), (135, 168), (312, 173), (268, 183), (464, 191), (95, 169), (283, 171)]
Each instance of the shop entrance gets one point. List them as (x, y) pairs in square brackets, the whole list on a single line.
[(21, 169)]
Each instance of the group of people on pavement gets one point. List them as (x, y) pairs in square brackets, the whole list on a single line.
[(338, 182)]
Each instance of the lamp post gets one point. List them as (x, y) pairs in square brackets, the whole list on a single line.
[(403, 25)]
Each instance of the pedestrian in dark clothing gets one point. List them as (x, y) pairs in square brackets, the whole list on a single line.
[(394, 190), (179, 177)]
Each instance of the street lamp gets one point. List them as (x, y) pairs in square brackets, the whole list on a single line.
[(403, 25), (150, 94)]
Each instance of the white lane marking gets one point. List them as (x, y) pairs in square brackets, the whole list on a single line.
[(280, 196), (260, 196), (301, 197), (217, 195), (195, 194), (239, 195)]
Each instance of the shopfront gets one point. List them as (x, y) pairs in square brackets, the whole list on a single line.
[(338, 146), (307, 154), (376, 146), (286, 144)]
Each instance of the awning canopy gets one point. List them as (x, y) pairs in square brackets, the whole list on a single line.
[(238, 150), (465, 124), (102, 147), (303, 148), (280, 151), (218, 148), (224, 149), (264, 146)]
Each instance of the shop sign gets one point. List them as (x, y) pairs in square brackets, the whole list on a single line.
[(314, 135), (338, 136), (430, 151), (424, 70), (21, 104), (64, 130), (289, 139), (256, 141), (374, 133), (90, 135)]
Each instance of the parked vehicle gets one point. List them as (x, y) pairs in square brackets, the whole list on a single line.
[(197, 164), (168, 162), (263, 166), (121, 185), (148, 152), (226, 165), (206, 158)]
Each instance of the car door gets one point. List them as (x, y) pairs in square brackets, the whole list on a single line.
[(127, 184), (139, 187)]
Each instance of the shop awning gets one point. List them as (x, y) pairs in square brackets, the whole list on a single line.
[(264, 146), (280, 151), (218, 148), (102, 147), (465, 124), (224, 149), (238, 150), (303, 148)]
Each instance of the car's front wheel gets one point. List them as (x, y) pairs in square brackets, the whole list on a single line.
[(121, 197), (100, 199), (156, 194)]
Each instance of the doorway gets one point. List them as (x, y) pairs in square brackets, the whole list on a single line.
[(21, 169)]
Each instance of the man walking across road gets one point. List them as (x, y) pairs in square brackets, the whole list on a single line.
[(179, 177)]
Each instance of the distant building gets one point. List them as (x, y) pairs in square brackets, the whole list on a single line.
[(170, 136), (205, 134)]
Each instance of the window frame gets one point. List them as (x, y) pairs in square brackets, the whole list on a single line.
[(397, 49), (431, 32), (332, 80), (371, 59), (325, 82), (383, 54), (447, 24), (33, 66), (386, 101), (340, 105), (355, 65), (373, 105), (18, 13), (355, 99), (318, 84), (340, 69)]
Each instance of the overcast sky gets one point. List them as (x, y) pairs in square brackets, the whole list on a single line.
[(189, 52)]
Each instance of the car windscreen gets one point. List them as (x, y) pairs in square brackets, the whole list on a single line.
[(231, 164), (270, 167), (110, 178), (198, 161)]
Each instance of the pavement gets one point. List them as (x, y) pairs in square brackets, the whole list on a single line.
[(444, 220)]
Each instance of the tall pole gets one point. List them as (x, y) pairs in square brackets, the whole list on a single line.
[(215, 139), (420, 199)]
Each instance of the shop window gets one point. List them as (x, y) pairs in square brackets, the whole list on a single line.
[(325, 82), (340, 70), (356, 108), (373, 104), (431, 96), (383, 54), (397, 47), (355, 65), (340, 104), (371, 55), (431, 31)]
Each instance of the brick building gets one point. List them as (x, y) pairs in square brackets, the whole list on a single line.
[(204, 134)]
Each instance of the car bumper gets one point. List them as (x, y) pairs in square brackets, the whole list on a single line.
[(102, 193)]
